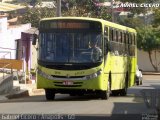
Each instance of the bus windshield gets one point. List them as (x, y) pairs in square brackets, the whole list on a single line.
[(70, 47)]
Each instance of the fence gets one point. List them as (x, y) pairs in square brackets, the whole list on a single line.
[(4, 66), (7, 65)]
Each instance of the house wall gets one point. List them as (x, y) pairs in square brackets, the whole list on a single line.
[(34, 57), (8, 37), (26, 46)]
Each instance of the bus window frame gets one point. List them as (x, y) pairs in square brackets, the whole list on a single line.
[(106, 40), (110, 34)]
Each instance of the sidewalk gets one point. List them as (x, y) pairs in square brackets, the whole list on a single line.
[(32, 90), (22, 90)]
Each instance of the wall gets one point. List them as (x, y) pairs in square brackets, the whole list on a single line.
[(3, 25), (144, 62), (9, 35), (34, 57)]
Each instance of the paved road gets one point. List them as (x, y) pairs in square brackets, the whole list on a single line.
[(85, 107)]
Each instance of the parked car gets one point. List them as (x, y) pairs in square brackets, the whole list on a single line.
[(138, 76)]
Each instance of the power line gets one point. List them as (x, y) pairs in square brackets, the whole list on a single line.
[(9, 48)]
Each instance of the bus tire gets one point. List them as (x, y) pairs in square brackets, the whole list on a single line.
[(104, 95), (50, 95), (72, 94), (115, 92), (123, 92)]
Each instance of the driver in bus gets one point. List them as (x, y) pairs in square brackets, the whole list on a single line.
[(96, 52)]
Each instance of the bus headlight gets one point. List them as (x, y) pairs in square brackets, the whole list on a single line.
[(94, 75), (44, 74)]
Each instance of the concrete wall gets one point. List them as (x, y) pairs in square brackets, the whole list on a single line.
[(6, 84), (34, 57), (144, 62)]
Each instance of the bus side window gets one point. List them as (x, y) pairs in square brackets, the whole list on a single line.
[(106, 48), (110, 34), (133, 45), (130, 45), (134, 42), (120, 43), (133, 39), (115, 36), (125, 44), (122, 40), (116, 42), (110, 45), (120, 37)]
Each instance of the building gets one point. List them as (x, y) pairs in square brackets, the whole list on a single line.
[(6, 8), (29, 53), (10, 36)]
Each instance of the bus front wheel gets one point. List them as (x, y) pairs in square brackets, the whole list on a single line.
[(106, 94), (50, 95)]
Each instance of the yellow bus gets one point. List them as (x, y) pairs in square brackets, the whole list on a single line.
[(80, 55)]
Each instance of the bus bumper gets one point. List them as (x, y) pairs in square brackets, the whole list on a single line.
[(91, 84)]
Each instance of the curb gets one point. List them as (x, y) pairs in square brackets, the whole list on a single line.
[(150, 73), (19, 94), (3, 98), (34, 92)]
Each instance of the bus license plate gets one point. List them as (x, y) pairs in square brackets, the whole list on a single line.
[(67, 83)]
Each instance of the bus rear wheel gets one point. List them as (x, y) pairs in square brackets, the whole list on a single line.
[(50, 95)]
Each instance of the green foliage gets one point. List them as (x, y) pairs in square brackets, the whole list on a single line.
[(148, 38), (105, 14), (73, 8), (33, 15), (87, 8), (132, 22), (156, 21), (149, 41)]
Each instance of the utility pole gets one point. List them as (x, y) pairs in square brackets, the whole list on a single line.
[(58, 10)]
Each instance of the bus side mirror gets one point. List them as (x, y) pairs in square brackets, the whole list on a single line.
[(34, 39)]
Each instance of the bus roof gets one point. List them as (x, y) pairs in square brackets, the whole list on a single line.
[(104, 22)]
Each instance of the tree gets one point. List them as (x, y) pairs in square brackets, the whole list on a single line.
[(85, 8), (88, 8), (156, 21), (32, 16), (149, 40), (35, 14), (132, 22)]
